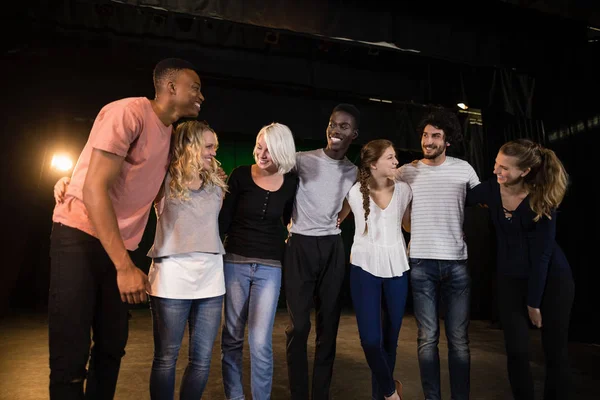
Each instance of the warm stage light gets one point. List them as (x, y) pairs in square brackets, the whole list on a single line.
[(462, 106), (61, 163)]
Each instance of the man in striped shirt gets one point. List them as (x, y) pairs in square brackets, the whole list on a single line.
[(438, 253)]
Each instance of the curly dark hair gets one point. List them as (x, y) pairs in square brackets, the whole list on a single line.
[(444, 120)]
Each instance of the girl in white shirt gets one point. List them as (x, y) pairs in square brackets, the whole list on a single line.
[(378, 282)]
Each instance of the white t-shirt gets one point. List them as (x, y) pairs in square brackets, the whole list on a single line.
[(438, 207), (187, 276), (382, 250)]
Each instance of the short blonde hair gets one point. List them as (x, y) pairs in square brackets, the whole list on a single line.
[(280, 142)]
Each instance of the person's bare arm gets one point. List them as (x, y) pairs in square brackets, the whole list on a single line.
[(159, 200), (103, 170), (344, 212), (161, 193), (406, 218)]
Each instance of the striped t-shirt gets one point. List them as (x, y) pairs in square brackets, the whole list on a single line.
[(438, 207)]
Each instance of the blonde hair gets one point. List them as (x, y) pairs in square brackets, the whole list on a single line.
[(186, 159), (369, 154), (280, 142), (547, 179)]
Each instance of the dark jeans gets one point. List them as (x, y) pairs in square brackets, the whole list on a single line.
[(313, 273), (83, 295), (448, 281), (379, 305), (556, 310)]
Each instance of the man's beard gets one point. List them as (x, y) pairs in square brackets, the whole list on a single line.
[(437, 151)]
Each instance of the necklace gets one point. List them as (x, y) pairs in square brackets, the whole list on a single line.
[(507, 214)]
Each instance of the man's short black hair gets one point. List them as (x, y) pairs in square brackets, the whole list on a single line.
[(165, 68), (445, 120), (349, 109)]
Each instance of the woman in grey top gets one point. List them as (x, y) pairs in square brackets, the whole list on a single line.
[(186, 276)]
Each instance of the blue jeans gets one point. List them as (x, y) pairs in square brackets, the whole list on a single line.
[(450, 281), (379, 305), (251, 296), (169, 317)]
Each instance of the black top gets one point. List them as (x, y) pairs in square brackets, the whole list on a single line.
[(526, 249), (253, 219)]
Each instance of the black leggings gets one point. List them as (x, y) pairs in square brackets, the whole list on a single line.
[(556, 310)]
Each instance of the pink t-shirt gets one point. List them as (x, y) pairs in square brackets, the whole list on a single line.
[(129, 128)]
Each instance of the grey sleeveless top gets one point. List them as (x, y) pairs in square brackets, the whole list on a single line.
[(191, 225)]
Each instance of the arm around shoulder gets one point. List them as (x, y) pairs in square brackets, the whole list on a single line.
[(346, 209), (407, 191), (288, 208), (228, 205), (60, 189), (480, 194)]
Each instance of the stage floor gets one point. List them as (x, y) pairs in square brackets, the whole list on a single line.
[(24, 362)]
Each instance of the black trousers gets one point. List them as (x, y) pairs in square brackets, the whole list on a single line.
[(314, 268), (556, 310), (83, 296)]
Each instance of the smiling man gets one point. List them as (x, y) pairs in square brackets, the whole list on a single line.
[(438, 253), (101, 216), (314, 263)]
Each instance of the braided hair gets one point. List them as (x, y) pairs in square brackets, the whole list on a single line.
[(369, 154)]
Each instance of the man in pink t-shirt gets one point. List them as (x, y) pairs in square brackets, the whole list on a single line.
[(101, 216)]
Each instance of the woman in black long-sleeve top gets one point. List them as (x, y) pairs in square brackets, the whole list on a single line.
[(253, 218), (535, 283)]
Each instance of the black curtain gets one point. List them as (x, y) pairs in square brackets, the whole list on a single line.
[(508, 114)]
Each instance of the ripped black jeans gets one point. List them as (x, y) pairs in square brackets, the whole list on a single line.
[(83, 296)]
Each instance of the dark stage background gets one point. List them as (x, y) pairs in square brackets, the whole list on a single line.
[(529, 73)]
